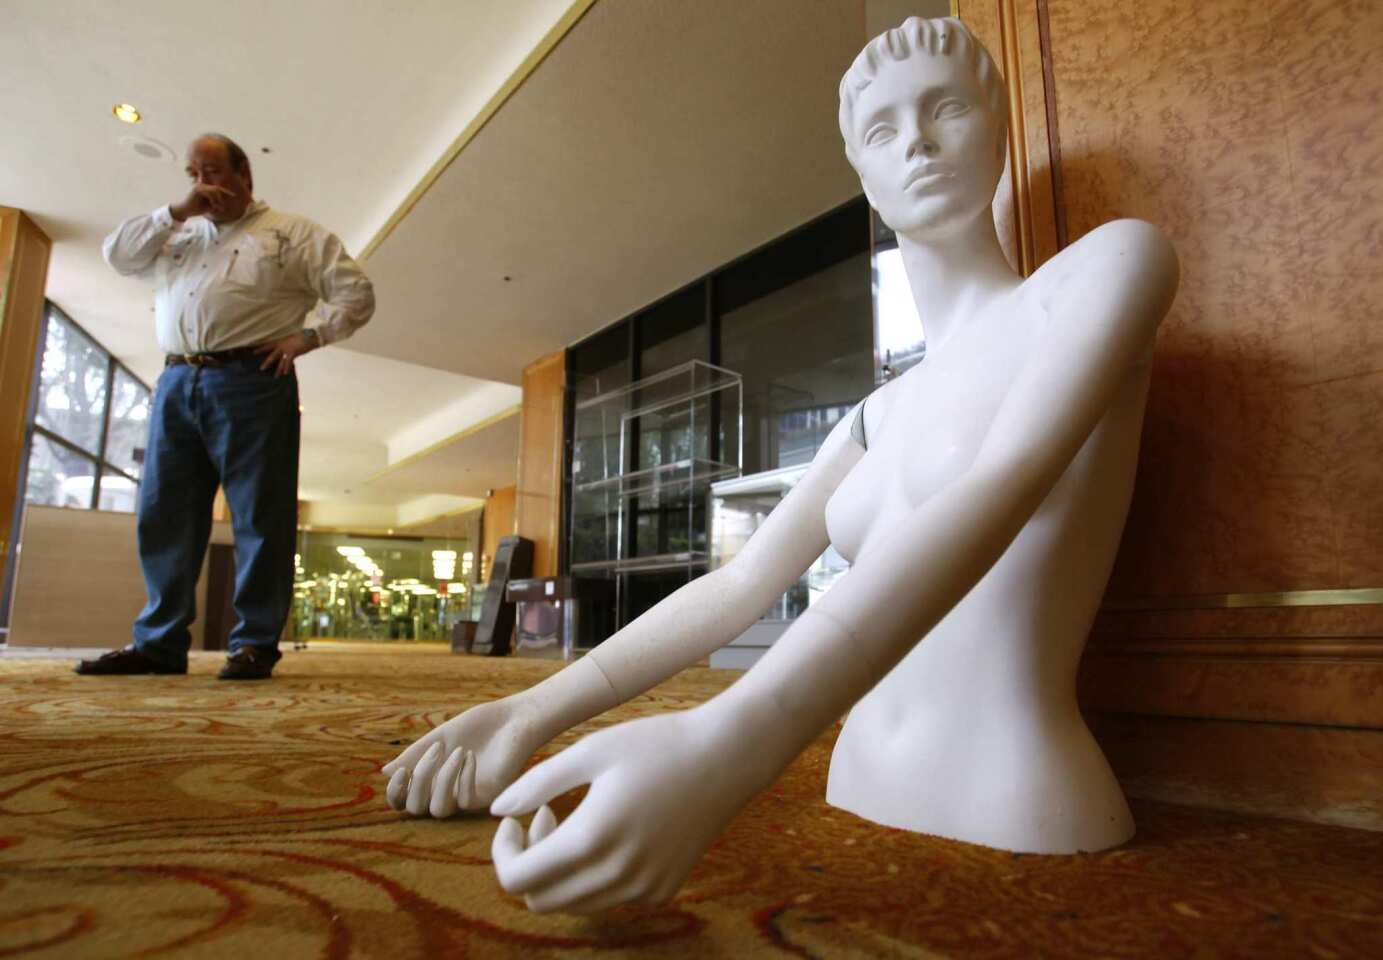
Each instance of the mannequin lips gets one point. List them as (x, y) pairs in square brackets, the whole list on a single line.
[(926, 176)]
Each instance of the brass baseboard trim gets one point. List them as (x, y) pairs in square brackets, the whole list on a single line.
[(1256, 648), (1362, 596)]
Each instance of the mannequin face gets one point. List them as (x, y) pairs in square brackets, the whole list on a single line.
[(926, 145)]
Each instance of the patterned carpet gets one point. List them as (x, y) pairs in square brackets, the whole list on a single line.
[(179, 816)]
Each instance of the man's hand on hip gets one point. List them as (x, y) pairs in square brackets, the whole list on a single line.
[(280, 354)]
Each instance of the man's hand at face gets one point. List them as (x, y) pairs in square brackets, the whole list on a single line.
[(281, 353), (202, 199)]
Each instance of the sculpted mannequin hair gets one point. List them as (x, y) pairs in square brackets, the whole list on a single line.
[(944, 37)]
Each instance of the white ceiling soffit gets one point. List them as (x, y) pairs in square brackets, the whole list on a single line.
[(657, 141), (479, 460), (450, 477), (362, 414)]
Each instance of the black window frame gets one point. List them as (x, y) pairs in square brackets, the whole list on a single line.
[(35, 429)]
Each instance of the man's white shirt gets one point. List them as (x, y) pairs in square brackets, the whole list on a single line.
[(218, 287)]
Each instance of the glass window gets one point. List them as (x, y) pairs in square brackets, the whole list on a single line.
[(72, 384), (601, 364), (59, 476), (806, 352), (129, 423), (118, 492), (674, 331)]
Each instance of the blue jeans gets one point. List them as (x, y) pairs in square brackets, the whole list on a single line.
[(237, 426)]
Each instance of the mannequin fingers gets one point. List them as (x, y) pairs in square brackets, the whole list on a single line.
[(397, 791), (420, 789), (551, 778), (588, 885), (606, 899), (506, 847), (411, 754), (544, 822), (467, 796), (443, 802), (567, 856)]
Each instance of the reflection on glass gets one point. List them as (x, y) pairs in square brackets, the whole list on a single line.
[(129, 423), (386, 588), (118, 492), (901, 340), (72, 384), (739, 507), (806, 352), (59, 477)]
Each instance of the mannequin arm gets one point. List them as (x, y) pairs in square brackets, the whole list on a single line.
[(696, 769), (712, 610), (465, 762)]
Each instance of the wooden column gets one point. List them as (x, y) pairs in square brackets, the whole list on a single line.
[(498, 522), (539, 495), (24, 251)]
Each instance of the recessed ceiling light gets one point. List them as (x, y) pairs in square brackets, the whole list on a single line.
[(126, 112)]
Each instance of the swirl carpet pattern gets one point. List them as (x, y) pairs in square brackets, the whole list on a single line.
[(179, 816)]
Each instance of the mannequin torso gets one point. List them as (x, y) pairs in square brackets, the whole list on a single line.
[(982, 716)]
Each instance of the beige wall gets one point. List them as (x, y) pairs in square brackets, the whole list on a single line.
[(78, 582)]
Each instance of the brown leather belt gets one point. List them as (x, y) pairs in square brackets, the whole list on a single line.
[(213, 359)]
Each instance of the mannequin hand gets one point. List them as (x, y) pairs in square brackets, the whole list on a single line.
[(463, 763), (662, 788)]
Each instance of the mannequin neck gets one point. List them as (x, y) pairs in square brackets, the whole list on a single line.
[(956, 277)]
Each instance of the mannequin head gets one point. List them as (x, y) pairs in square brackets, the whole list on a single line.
[(924, 115)]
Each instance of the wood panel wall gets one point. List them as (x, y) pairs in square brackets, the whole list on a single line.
[(498, 521), (24, 251), (538, 506), (1251, 133)]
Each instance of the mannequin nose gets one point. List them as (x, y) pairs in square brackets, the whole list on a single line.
[(922, 145)]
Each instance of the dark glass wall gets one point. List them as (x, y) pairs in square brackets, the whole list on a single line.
[(793, 318)]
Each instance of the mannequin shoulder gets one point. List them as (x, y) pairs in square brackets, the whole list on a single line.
[(1120, 254), (1127, 266)]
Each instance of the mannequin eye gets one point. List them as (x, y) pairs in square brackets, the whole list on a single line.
[(879, 133), (950, 108)]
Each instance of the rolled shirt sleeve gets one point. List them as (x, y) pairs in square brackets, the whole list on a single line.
[(134, 246), (346, 294)]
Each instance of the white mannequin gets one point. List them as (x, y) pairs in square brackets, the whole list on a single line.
[(982, 519)]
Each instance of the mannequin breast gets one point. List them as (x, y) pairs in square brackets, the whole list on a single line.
[(975, 734)]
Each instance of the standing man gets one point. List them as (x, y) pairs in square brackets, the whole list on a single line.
[(235, 281)]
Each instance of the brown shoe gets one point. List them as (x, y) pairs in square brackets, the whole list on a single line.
[(250, 663), (124, 663)]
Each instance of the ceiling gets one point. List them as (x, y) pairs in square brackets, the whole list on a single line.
[(654, 143)]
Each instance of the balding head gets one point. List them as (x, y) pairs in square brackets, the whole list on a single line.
[(216, 159)]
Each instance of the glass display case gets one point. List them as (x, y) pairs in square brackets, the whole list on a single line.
[(643, 458), (738, 508)]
